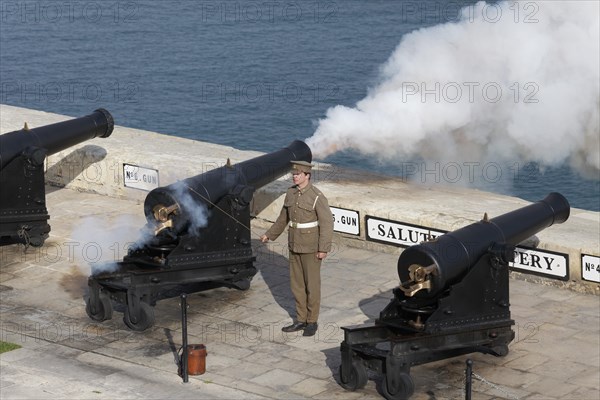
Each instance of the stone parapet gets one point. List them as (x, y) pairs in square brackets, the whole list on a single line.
[(97, 166)]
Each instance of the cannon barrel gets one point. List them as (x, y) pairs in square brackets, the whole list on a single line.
[(56, 137), (175, 205), (446, 259)]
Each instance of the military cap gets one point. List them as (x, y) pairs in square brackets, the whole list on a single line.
[(301, 166)]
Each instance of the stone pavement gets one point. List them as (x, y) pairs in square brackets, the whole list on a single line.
[(65, 355)]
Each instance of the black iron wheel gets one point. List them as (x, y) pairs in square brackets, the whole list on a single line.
[(101, 311), (399, 387), (358, 377), (143, 321)]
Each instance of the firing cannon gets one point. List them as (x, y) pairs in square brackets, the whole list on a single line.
[(198, 230), (23, 213), (453, 299)]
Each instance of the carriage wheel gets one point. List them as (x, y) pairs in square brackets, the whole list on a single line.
[(141, 322), (399, 387), (357, 379), (101, 311)]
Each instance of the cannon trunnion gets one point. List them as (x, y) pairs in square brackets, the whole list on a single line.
[(23, 213), (197, 232), (453, 299)]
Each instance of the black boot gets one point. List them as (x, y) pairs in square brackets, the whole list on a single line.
[(311, 329), (297, 326)]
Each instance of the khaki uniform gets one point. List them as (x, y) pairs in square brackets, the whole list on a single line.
[(304, 206)]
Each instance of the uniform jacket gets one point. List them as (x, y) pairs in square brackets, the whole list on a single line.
[(302, 206)]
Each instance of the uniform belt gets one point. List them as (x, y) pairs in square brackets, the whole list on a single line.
[(304, 225)]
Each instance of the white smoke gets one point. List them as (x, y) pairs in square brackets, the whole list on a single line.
[(197, 212), (102, 243), (508, 81)]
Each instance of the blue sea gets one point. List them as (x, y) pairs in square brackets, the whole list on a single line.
[(248, 74)]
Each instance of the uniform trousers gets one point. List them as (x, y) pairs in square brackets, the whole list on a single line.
[(305, 281)]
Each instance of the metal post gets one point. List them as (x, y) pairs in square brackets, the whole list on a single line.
[(468, 379), (184, 353)]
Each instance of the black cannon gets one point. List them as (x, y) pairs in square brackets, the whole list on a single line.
[(23, 213), (198, 231), (453, 299)]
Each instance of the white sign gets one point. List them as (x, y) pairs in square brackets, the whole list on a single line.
[(140, 177), (396, 233), (590, 268), (345, 221), (542, 262)]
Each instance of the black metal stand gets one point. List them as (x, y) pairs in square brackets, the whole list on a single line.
[(468, 378), (184, 339)]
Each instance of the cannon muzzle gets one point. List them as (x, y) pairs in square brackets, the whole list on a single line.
[(55, 137), (428, 268)]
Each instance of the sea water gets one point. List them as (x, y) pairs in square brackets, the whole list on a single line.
[(248, 74)]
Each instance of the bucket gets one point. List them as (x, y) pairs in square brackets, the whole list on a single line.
[(196, 359)]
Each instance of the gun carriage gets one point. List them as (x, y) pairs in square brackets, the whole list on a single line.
[(23, 213), (453, 299), (198, 231)]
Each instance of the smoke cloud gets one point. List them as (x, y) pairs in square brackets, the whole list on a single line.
[(508, 81), (197, 213), (102, 242)]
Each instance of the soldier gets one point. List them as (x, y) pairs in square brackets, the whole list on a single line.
[(306, 211)]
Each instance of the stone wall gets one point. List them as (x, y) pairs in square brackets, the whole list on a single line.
[(97, 166)]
